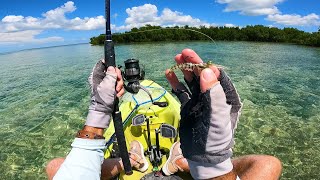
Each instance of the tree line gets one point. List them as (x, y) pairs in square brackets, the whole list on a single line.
[(257, 33)]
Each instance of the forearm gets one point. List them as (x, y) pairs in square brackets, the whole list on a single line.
[(220, 133), (214, 128), (85, 159), (233, 98)]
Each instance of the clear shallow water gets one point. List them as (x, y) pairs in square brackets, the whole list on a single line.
[(44, 99)]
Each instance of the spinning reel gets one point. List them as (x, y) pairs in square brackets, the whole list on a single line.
[(133, 74)]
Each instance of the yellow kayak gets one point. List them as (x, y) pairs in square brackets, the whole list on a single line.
[(140, 105)]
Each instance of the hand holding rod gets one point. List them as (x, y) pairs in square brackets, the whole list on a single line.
[(116, 115)]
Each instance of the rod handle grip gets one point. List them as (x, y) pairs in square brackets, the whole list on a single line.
[(109, 55)]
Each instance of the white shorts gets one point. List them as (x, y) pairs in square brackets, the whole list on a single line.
[(207, 171)]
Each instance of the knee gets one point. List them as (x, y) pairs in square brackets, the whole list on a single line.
[(53, 166), (274, 162), (271, 164)]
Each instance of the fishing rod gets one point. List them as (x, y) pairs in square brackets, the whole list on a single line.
[(109, 56)]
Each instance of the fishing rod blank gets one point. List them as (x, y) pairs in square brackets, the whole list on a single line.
[(116, 115)]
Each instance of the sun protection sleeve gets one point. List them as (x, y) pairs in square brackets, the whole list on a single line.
[(84, 160), (233, 98), (206, 134)]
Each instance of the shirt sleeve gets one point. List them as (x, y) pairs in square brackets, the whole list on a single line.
[(84, 160)]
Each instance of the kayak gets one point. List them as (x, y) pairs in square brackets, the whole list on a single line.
[(147, 132)]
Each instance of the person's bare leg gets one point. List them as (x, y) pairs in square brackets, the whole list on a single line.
[(262, 167), (53, 166), (110, 167), (246, 167)]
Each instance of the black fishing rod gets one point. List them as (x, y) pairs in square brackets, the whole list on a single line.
[(109, 56)]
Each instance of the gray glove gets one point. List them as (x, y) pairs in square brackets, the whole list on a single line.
[(232, 98), (208, 120), (103, 94)]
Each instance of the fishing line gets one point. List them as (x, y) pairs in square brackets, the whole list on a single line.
[(136, 32)]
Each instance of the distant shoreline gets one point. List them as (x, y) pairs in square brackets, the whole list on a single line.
[(45, 47), (257, 33)]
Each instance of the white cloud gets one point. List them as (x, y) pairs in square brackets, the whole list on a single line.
[(58, 14), (17, 28), (52, 19), (26, 36), (87, 23), (268, 7), (177, 18), (149, 14), (295, 20), (56, 19), (141, 15), (252, 7), (230, 25), (12, 18)]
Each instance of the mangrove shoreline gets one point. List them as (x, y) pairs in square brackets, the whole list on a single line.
[(257, 33)]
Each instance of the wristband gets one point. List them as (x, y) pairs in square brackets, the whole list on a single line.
[(88, 135)]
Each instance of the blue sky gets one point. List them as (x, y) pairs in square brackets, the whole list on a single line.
[(38, 23)]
